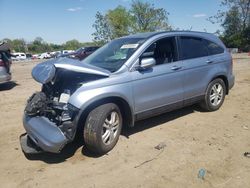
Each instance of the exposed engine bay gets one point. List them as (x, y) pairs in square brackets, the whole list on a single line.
[(52, 101), (49, 119)]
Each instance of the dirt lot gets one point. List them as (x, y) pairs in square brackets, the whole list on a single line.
[(194, 140)]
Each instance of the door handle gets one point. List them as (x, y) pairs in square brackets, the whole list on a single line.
[(176, 68), (209, 61)]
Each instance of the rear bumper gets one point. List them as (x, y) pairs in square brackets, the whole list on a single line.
[(43, 133)]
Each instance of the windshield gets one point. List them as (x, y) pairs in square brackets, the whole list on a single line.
[(114, 54)]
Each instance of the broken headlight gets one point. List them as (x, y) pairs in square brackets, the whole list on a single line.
[(72, 110)]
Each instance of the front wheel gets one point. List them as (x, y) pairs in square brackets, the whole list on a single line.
[(102, 128), (215, 95)]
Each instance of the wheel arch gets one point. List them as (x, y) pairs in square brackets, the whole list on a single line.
[(125, 108)]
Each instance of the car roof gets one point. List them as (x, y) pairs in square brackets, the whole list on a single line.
[(148, 35), (151, 34)]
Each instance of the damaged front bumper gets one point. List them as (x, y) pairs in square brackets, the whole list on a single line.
[(44, 134)]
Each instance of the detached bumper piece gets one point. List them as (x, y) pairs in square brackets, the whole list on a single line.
[(43, 133), (28, 146)]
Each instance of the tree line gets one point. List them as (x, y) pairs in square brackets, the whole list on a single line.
[(145, 17), (38, 45), (235, 22), (139, 17)]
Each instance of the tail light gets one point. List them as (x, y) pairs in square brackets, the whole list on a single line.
[(1, 63)]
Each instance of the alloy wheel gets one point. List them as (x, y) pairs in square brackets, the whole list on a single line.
[(110, 128), (216, 94)]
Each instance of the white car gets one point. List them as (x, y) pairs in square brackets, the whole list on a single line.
[(67, 51), (44, 56), (18, 56)]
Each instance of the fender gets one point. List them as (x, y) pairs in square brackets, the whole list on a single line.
[(84, 99)]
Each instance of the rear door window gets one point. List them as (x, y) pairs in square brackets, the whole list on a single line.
[(193, 47)]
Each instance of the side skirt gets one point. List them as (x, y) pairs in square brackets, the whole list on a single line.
[(167, 108)]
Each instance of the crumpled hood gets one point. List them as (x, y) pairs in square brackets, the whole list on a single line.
[(45, 72)]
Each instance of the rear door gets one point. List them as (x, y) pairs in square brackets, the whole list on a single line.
[(196, 67)]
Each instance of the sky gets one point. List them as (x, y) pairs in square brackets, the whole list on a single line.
[(58, 21)]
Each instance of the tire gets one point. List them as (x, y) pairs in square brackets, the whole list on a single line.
[(102, 128), (214, 96)]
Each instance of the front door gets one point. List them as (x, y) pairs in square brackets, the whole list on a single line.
[(159, 88)]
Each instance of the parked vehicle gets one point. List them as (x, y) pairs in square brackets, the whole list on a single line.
[(29, 56), (55, 54), (66, 53), (35, 56), (80, 53), (45, 55), (5, 63), (128, 79), (84, 52), (18, 56)]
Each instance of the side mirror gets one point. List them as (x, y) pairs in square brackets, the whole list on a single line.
[(147, 63)]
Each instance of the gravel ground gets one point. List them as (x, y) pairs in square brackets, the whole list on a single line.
[(191, 140)]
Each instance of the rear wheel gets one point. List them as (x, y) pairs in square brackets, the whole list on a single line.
[(102, 128), (215, 95)]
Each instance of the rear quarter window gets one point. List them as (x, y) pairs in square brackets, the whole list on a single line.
[(214, 48)]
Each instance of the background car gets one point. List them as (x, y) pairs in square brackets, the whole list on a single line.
[(18, 56), (5, 63), (80, 53), (67, 51), (35, 56), (84, 52), (28, 56), (45, 55)]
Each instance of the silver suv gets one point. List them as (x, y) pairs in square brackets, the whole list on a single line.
[(128, 79)]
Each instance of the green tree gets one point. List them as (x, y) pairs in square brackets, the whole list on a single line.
[(140, 17), (102, 34), (119, 21), (232, 22), (19, 45), (39, 40), (235, 22), (72, 44), (243, 7), (56, 47), (147, 18), (246, 37), (39, 46), (88, 44)]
